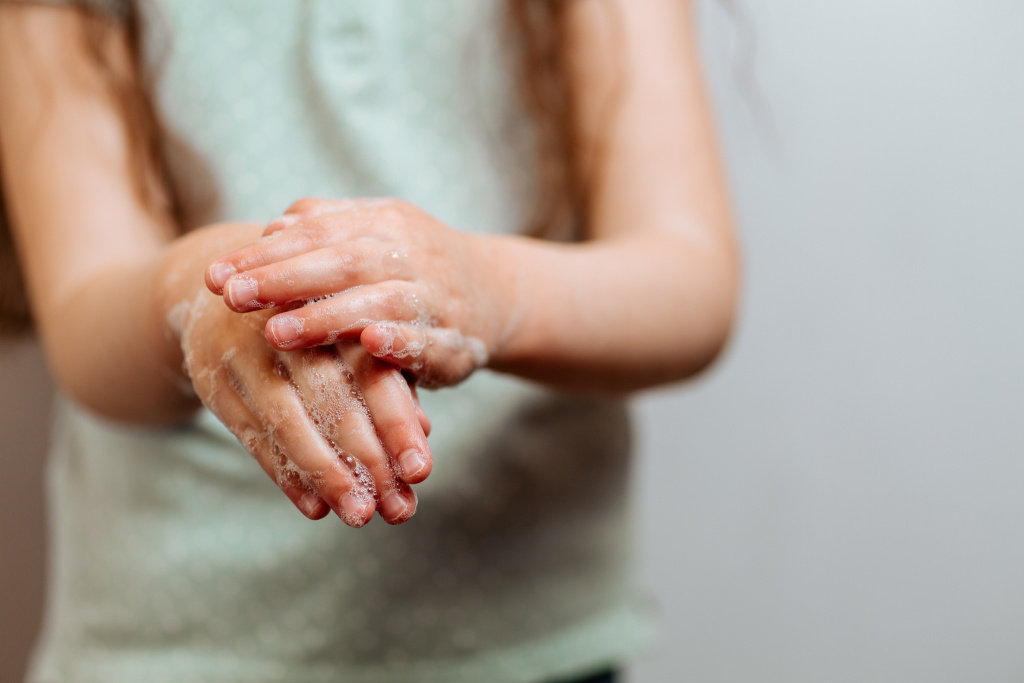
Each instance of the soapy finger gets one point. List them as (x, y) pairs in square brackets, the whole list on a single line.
[(343, 316), (305, 233), (307, 207), (230, 409), (435, 356), (312, 274), (319, 223), (394, 411), (332, 392), (346, 487), (420, 413)]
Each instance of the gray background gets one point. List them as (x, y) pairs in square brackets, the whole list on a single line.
[(840, 499)]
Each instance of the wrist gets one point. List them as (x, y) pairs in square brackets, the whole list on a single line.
[(178, 286), (512, 268)]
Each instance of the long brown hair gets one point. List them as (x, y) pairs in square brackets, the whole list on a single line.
[(535, 32)]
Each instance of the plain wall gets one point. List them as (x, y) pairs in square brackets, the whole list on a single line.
[(841, 498)]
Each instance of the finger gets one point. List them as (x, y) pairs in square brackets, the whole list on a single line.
[(231, 410), (265, 250), (436, 356), (420, 413), (305, 208), (331, 269), (267, 391), (381, 210), (307, 234), (332, 395), (339, 221), (343, 316), (393, 410)]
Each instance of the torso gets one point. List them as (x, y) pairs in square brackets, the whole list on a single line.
[(177, 559)]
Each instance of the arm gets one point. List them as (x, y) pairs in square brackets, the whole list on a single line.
[(82, 233), (652, 297), (120, 303), (649, 298)]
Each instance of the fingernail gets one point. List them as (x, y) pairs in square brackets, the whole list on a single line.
[(353, 509), (220, 272), (242, 291), (309, 504), (393, 506), (284, 329), (412, 462)]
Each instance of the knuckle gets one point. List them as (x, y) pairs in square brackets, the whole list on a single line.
[(279, 416), (255, 256), (266, 279), (392, 212), (400, 204), (309, 235), (246, 258), (345, 258), (273, 283), (361, 362), (379, 378), (304, 204), (396, 300)]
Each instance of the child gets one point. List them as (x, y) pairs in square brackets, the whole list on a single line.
[(174, 559)]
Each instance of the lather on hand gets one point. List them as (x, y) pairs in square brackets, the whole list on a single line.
[(411, 290), (333, 426)]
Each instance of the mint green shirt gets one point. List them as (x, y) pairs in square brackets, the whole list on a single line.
[(176, 559)]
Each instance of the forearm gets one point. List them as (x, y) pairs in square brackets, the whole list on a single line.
[(106, 351), (652, 297), (615, 314), (110, 336)]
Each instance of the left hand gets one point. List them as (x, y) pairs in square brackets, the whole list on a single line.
[(333, 427), (414, 292)]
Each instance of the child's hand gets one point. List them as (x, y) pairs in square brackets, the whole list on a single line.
[(414, 292), (326, 424)]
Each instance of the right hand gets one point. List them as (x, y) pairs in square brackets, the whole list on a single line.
[(333, 426)]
